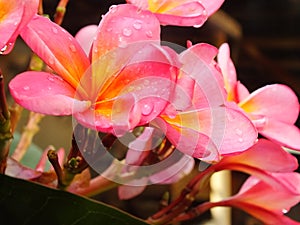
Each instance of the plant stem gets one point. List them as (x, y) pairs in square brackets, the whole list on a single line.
[(30, 130), (60, 11), (5, 128)]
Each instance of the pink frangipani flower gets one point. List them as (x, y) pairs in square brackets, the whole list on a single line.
[(14, 16), (265, 105), (264, 201), (126, 81), (180, 12), (197, 122)]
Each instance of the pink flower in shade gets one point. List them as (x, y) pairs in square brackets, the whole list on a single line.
[(117, 88), (14, 16), (273, 109), (272, 189), (180, 12), (266, 202), (197, 122)]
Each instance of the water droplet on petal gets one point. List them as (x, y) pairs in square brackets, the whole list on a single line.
[(26, 88), (149, 34), (147, 109), (238, 131), (197, 25), (146, 82), (54, 30), (72, 48), (127, 32), (241, 140), (6, 48), (113, 8), (284, 211), (50, 78), (137, 24)]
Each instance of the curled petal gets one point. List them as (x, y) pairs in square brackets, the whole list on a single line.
[(211, 6), (14, 16), (269, 101), (62, 53), (45, 93)]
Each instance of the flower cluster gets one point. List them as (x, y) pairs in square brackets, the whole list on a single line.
[(170, 109)]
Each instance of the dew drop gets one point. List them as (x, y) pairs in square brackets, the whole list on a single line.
[(241, 140), (54, 30), (238, 131), (197, 25), (127, 32), (149, 34), (137, 25), (72, 48), (26, 88), (6, 48), (113, 9), (284, 211), (50, 78), (147, 109), (146, 82)]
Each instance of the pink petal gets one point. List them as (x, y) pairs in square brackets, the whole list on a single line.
[(262, 156), (276, 198), (228, 71), (14, 17), (281, 133), (85, 37), (143, 4), (209, 85), (186, 14), (140, 147), (211, 6), (147, 73), (239, 131), (15, 169), (45, 93), (187, 140), (242, 92), (175, 172), (57, 48), (123, 25), (129, 191), (269, 101)]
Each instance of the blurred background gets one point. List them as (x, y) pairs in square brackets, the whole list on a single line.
[(265, 41)]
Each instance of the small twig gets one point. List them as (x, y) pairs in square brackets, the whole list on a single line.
[(60, 11), (53, 158), (30, 130), (5, 127)]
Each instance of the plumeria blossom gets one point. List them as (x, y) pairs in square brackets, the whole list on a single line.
[(180, 12), (264, 201), (126, 81), (14, 16), (265, 105), (197, 121), (271, 190)]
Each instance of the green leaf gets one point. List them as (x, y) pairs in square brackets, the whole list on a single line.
[(26, 203)]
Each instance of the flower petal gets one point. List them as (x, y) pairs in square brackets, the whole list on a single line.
[(45, 93), (123, 25), (276, 198), (62, 53), (211, 6), (85, 37), (188, 13), (281, 133), (269, 101), (14, 16), (262, 156)]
